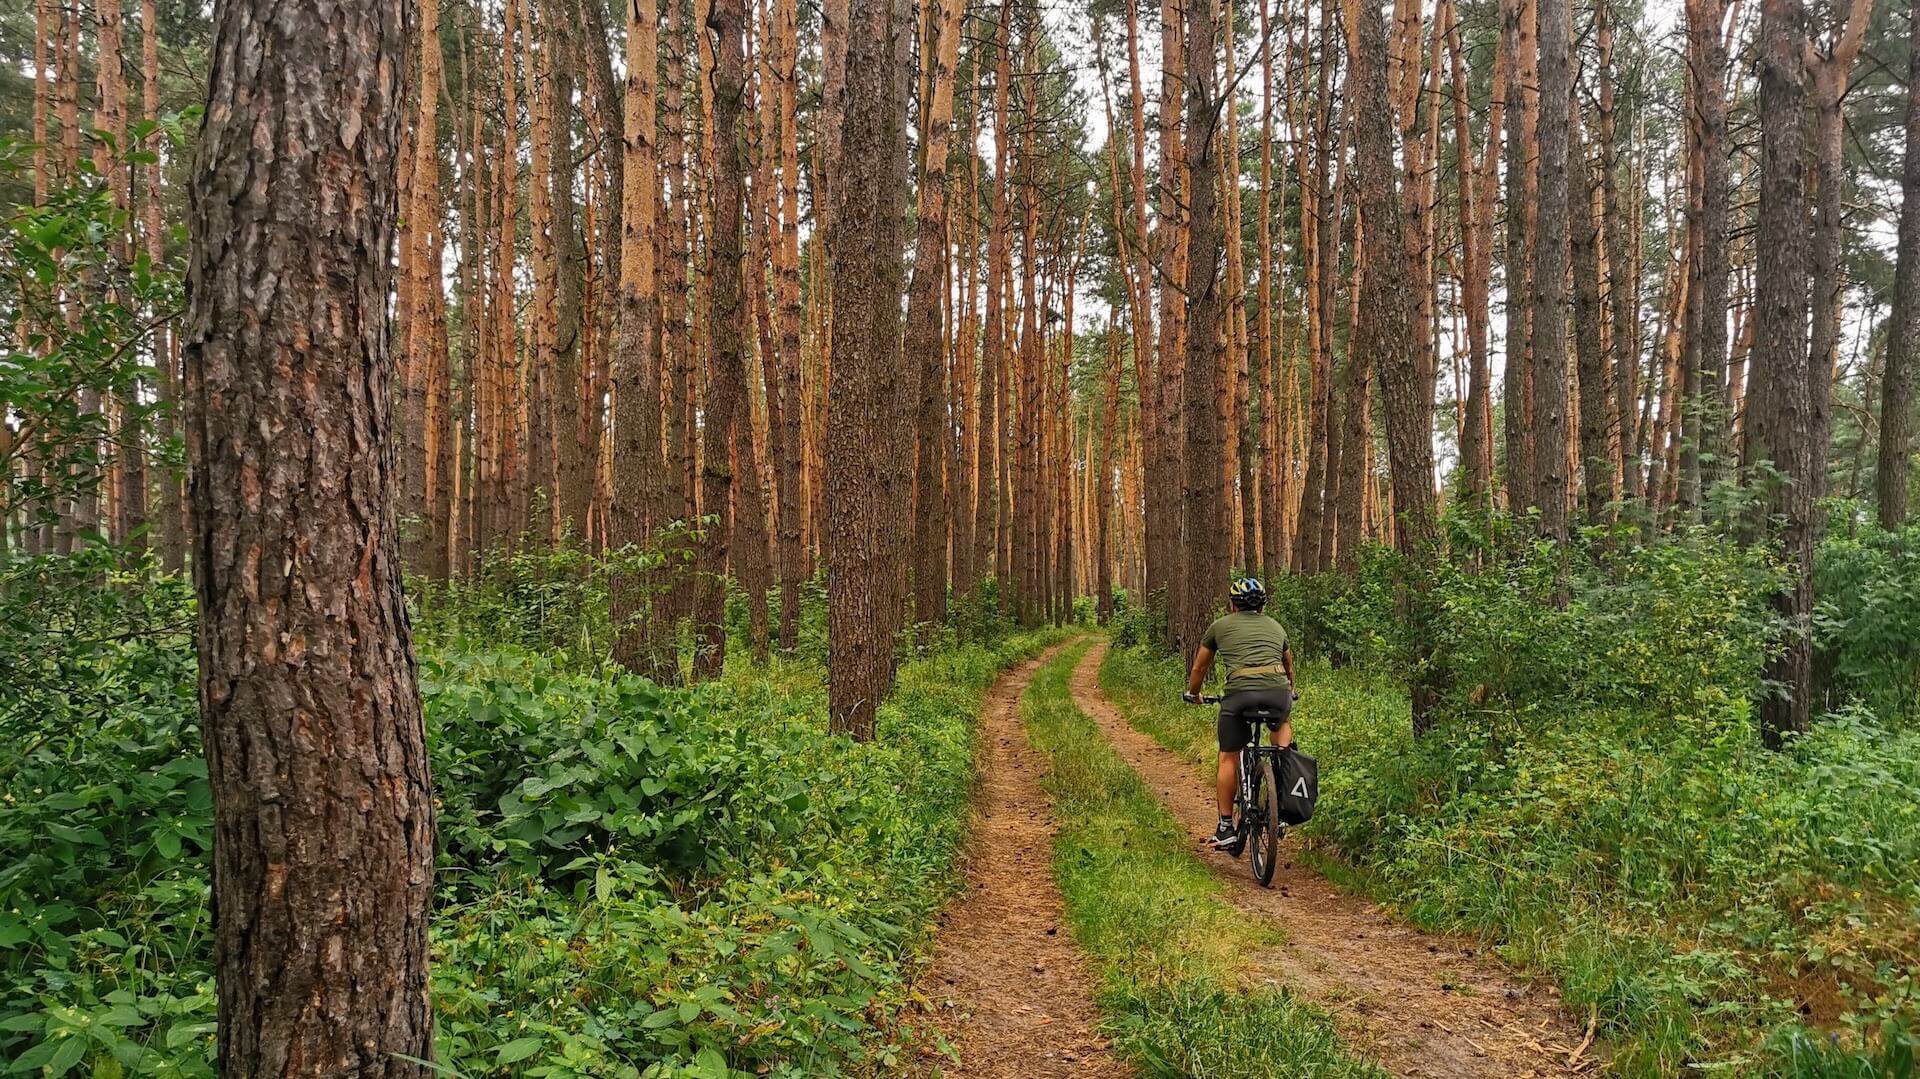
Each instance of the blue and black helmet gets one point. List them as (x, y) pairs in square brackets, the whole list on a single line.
[(1248, 594)]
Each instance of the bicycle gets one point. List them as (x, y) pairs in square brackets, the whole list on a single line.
[(1258, 826)]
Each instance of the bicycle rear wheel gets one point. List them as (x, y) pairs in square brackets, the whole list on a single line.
[(1264, 836)]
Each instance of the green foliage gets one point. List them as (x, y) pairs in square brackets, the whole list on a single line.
[(1677, 628), (85, 308), (633, 881), (1867, 626), (1172, 952), (1688, 886)]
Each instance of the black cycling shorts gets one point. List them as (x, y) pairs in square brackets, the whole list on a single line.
[(1235, 732)]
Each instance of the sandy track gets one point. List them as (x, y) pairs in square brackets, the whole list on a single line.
[(1007, 987)]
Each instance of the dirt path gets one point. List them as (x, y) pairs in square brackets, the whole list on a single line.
[(1007, 987), (1419, 1005)]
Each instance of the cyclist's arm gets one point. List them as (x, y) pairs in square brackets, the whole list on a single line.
[(1202, 663), (1286, 662)]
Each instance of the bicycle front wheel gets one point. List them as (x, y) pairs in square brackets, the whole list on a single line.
[(1264, 836)]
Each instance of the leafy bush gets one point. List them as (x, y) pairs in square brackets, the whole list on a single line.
[(1867, 627), (1679, 627), (634, 881)]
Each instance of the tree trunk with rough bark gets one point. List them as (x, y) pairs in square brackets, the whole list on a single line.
[(866, 352), (323, 855), (1780, 427), (725, 401), (1903, 343), (926, 300), (1386, 327), (1551, 251), (1208, 541)]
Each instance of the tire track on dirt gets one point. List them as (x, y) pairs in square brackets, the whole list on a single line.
[(1007, 986), (1420, 1005)]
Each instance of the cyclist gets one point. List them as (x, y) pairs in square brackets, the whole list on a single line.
[(1252, 649)]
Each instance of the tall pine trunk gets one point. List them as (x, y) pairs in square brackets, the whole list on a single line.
[(867, 225), (1208, 541), (323, 858), (1903, 342), (1780, 418)]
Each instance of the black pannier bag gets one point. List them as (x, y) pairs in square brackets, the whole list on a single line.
[(1299, 779)]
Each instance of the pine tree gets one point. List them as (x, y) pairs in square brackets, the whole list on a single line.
[(323, 860)]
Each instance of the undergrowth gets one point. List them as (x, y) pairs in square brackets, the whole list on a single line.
[(634, 881), (1178, 977)]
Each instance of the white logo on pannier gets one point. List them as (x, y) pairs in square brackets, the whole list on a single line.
[(1300, 787)]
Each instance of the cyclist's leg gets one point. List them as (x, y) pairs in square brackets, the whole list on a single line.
[(1231, 733)]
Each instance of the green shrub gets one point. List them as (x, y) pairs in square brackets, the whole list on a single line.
[(1867, 627), (633, 880)]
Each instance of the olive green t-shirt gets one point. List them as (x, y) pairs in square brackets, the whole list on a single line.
[(1248, 639)]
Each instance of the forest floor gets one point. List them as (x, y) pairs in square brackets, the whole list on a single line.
[(1011, 993), (1420, 1005)]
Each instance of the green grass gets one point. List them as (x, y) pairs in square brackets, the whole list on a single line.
[(1686, 885), (1179, 974)]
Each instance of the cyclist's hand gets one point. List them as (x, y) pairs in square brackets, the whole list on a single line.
[(1190, 697)]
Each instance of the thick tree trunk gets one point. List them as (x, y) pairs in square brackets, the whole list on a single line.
[(866, 355), (1780, 423), (1166, 587), (925, 344), (1623, 271), (788, 477), (1208, 541), (643, 640), (1517, 24), (1829, 85), (1903, 342), (1385, 327), (423, 216), (1478, 190), (1103, 480), (310, 711), (726, 369), (1703, 442), (1319, 224), (172, 524), (1548, 341)]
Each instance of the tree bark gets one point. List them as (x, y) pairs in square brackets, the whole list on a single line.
[(1548, 341), (1903, 341), (310, 710), (1703, 420), (1208, 542), (1386, 326), (1596, 460), (866, 349), (643, 639), (1166, 588), (925, 343), (990, 507), (1517, 25), (726, 368), (1319, 225), (1829, 75), (788, 477), (1780, 424)]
